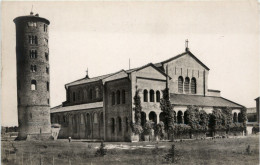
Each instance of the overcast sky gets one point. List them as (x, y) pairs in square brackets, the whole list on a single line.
[(102, 36)]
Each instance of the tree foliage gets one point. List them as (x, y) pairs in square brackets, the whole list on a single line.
[(167, 108), (197, 120), (180, 129), (148, 126), (159, 129), (222, 119), (244, 116), (136, 127), (216, 120), (137, 108)]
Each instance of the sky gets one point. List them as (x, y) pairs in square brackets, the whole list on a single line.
[(103, 36)]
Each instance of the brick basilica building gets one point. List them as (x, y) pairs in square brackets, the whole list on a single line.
[(101, 108)]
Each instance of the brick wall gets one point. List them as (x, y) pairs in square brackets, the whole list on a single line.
[(117, 111)]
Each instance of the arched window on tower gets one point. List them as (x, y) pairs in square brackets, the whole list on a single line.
[(187, 85), (180, 84), (35, 39), (33, 53), (33, 68), (193, 86), (158, 96), (33, 85), (145, 95), (47, 86), (151, 95), (47, 70), (46, 56), (123, 96)]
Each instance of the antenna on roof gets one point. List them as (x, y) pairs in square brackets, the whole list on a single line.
[(187, 45), (31, 13), (129, 63), (87, 74)]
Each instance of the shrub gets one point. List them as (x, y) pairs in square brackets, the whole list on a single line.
[(136, 129), (180, 129), (255, 129), (101, 151), (236, 127), (149, 125), (159, 130)]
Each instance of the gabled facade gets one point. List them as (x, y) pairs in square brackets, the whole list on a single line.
[(102, 107)]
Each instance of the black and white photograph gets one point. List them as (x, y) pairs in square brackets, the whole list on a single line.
[(130, 82)]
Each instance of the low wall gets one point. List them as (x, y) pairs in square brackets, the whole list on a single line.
[(182, 136), (198, 135), (235, 133), (219, 133)]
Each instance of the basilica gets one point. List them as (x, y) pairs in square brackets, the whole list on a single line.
[(101, 108)]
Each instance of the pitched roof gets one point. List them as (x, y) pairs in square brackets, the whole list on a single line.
[(180, 55), (208, 101), (94, 79), (60, 108), (144, 66), (88, 80)]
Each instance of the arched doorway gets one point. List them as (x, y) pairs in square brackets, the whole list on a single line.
[(235, 117), (153, 117), (179, 117), (162, 117)]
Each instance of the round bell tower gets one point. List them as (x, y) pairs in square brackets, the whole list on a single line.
[(33, 78)]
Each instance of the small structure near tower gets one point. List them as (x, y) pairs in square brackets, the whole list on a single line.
[(33, 79)]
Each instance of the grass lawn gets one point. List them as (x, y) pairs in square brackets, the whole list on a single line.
[(231, 151)]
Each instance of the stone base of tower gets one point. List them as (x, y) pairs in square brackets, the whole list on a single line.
[(43, 136), (34, 122)]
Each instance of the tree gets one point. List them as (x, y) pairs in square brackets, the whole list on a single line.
[(136, 127), (137, 108), (244, 117), (197, 120), (204, 120), (227, 115), (167, 108), (193, 117)]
